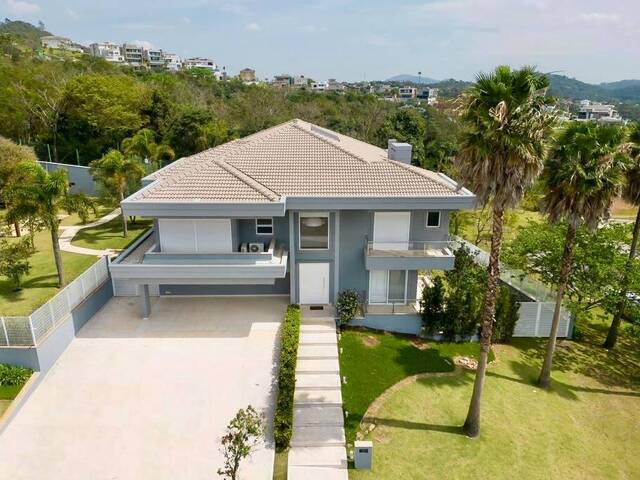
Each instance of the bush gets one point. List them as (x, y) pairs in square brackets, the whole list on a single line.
[(14, 260), (432, 306), (283, 418), (507, 307), (11, 375), (348, 305)]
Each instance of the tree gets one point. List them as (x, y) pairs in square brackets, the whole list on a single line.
[(631, 194), (143, 146), (116, 172), (11, 155), (42, 195), (82, 204), (243, 434), (432, 306), (407, 125), (583, 175), (506, 122), (507, 315), (14, 260)]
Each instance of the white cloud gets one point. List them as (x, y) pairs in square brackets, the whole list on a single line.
[(144, 44), (252, 27), (19, 7), (599, 18)]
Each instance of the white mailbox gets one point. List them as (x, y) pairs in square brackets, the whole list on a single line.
[(363, 454)]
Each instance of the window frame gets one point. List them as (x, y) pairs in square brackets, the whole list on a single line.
[(426, 220), (258, 226), (319, 215)]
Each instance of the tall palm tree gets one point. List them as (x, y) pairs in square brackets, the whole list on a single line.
[(631, 194), (507, 120), (43, 195), (583, 175), (144, 146), (117, 172)]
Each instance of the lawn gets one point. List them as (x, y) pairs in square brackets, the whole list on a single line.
[(109, 235), (373, 362), (42, 282), (74, 219), (513, 222), (584, 427)]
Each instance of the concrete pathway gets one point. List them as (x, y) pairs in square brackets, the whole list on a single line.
[(68, 232), (318, 443)]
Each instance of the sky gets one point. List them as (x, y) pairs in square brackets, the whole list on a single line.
[(591, 40)]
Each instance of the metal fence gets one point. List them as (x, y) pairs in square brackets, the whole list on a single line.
[(29, 331)]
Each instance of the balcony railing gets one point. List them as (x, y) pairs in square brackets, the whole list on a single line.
[(410, 249), (393, 307)]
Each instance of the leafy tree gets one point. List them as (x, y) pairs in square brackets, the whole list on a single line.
[(432, 306), (143, 146), (507, 315), (407, 125), (506, 122), (83, 205), (14, 260), (116, 172), (243, 434), (631, 193), (11, 155), (583, 175)]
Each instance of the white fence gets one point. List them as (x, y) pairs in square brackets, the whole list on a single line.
[(535, 316), (29, 331)]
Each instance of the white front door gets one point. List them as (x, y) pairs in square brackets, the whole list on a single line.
[(391, 230), (314, 283)]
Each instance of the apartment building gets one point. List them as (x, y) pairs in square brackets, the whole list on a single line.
[(172, 62), (154, 59), (132, 54), (247, 75)]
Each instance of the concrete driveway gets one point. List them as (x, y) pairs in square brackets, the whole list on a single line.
[(136, 399)]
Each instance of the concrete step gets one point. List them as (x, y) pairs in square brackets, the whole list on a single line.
[(318, 456), (327, 415), (305, 472), (318, 366), (318, 321), (317, 397), (318, 436), (325, 338), (317, 352), (317, 380), (317, 328)]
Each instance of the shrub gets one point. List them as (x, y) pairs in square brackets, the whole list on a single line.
[(283, 418), (432, 306), (14, 260), (348, 305), (507, 307), (11, 375)]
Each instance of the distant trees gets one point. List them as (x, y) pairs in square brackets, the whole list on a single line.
[(407, 125), (583, 175), (502, 147), (12, 155)]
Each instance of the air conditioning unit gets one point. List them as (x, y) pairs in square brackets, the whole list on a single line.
[(243, 248), (256, 247)]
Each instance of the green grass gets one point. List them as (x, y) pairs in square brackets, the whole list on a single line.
[(583, 427), (109, 235), (7, 394), (42, 282), (74, 219), (370, 370), (280, 465)]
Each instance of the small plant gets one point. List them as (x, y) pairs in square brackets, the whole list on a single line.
[(432, 306), (14, 260), (243, 434), (507, 307), (348, 305), (11, 375)]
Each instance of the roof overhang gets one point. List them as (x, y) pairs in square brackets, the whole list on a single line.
[(455, 202), (202, 209)]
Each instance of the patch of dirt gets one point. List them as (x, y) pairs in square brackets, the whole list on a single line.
[(420, 344), (370, 341), (381, 435), (466, 362)]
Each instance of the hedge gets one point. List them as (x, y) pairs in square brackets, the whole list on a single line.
[(283, 418), (12, 376)]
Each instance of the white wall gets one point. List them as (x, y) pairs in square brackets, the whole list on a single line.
[(185, 235)]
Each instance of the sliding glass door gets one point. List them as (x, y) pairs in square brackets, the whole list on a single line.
[(387, 286)]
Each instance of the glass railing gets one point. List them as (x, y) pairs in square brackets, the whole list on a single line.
[(411, 248)]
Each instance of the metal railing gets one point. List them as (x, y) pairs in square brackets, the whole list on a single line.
[(27, 331), (411, 248)]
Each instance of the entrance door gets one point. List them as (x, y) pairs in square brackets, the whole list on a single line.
[(314, 283), (391, 230)]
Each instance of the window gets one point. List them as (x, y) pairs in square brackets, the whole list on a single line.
[(433, 219), (387, 286), (314, 232), (264, 226)]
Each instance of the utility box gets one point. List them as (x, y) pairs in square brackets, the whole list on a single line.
[(363, 454)]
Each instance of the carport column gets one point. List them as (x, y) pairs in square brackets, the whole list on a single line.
[(146, 302), (293, 282)]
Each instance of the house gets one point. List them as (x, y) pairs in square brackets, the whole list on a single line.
[(598, 112), (294, 210), (283, 80), (319, 86), (247, 75), (173, 62), (200, 62), (429, 94), (133, 54), (407, 93), (107, 50), (60, 43), (154, 59)]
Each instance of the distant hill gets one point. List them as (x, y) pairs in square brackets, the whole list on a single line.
[(621, 91), (27, 33), (411, 79)]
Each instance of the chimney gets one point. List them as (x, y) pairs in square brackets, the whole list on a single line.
[(399, 151)]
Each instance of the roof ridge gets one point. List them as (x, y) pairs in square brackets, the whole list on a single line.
[(243, 177), (326, 140)]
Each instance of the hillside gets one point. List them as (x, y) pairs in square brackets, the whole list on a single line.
[(411, 79), (621, 91), (27, 33)]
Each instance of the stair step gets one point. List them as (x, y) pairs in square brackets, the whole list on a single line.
[(318, 366), (317, 352), (318, 456), (317, 380), (327, 415), (317, 397), (324, 338), (317, 328), (318, 436), (318, 321)]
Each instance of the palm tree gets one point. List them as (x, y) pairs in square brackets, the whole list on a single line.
[(117, 172), (506, 122), (583, 175), (43, 195), (631, 194), (143, 146)]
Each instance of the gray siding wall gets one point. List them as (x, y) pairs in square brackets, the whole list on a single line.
[(280, 287), (80, 177), (419, 231)]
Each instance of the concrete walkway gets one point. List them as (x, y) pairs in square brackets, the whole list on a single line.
[(68, 232), (318, 443)]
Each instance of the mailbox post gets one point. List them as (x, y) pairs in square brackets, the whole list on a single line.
[(363, 454)]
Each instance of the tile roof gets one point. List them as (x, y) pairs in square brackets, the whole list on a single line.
[(294, 159)]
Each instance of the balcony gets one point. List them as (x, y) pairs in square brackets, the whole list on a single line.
[(409, 255), (145, 263)]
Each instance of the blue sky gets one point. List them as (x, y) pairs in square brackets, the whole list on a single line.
[(592, 40)]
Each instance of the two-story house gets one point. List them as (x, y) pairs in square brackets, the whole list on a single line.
[(294, 210)]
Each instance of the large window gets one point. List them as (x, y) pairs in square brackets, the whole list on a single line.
[(314, 232), (388, 286)]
